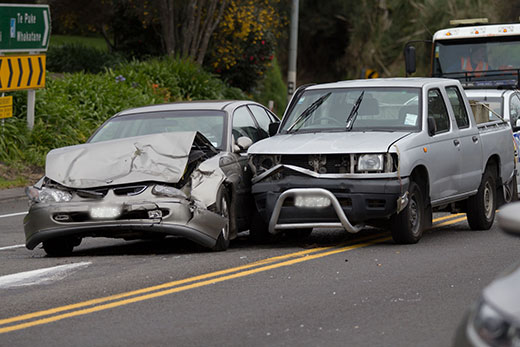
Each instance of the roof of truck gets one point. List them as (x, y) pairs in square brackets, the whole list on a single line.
[(410, 82), (478, 31)]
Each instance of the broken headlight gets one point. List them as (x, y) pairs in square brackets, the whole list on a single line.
[(168, 191), (47, 195)]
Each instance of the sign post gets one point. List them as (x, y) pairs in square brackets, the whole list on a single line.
[(24, 28)]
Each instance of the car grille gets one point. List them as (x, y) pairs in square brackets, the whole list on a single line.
[(98, 193), (331, 163)]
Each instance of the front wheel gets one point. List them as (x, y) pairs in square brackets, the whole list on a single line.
[(481, 207), (407, 226), (222, 208)]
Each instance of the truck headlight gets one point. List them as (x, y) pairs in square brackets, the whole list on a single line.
[(371, 162), (494, 328), (47, 195)]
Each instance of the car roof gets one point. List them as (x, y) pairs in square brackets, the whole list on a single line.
[(410, 82), (188, 105)]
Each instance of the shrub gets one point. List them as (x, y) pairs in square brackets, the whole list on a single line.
[(72, 57)]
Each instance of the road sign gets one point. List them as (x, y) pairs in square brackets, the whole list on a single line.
[(24, 28), (6, 107), (19, 72), (369, 73)]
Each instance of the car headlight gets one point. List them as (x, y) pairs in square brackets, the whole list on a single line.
[(48, 195), (371, 162), (495, 329), (168, 191)]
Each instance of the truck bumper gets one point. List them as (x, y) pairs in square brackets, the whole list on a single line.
[(352, 202)]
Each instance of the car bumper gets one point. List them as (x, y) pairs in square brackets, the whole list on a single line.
[(361, 200), (179, 218)]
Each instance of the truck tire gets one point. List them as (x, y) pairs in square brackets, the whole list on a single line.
[(407, 226), (258, 231), (511, 191), (481, 207)]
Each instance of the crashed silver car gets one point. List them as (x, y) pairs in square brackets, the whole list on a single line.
[(174, 169)]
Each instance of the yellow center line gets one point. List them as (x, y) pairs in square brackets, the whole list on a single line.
[(190, 286), (453, 221), (448, 217)]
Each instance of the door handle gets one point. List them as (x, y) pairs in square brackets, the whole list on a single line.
[(475, 139), (456, 143)]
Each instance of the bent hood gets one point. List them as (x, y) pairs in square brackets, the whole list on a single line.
[(327, 143), (156, 157)]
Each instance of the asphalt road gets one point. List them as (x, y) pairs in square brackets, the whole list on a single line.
[(332, 289)]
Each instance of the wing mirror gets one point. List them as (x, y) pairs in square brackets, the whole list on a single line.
[(273, 128), (409, 60), (432, 127), (242, 144)]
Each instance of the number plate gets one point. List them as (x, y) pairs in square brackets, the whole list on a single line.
[(105, 212), (311, 201)]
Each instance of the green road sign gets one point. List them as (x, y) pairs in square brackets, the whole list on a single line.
[(24, 28)]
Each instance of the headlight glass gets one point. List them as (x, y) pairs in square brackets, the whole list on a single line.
[(495, 329), (47, 195), (168, 191), (371, 162)]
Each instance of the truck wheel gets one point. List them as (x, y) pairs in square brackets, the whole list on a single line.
[(407, 226), (298, 233), (511, 191), (60, 247), (258, 231), (482, 206), (222, 208)]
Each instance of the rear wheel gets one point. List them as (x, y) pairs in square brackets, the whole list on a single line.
[(407, 226), (481, 207), (60, 247), (511, 191), (222, 208)]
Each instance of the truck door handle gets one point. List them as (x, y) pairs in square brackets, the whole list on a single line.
[(456, 142), (475, 139)]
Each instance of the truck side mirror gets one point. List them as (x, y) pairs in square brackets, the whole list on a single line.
[(273, 128), (409, 60), (432, 127)]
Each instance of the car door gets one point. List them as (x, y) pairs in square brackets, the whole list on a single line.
[(442, 151), (467, 142)]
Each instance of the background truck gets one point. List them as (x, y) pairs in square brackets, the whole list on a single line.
[(384, 152), (485, 58)]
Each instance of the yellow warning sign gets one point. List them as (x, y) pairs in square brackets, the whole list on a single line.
[(369, 73), (6, 107), (19, 72)]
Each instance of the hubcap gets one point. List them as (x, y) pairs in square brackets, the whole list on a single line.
[(488, 200), (414, 215)]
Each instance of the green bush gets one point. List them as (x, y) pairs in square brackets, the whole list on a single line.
[(71, 107), (73, 57)]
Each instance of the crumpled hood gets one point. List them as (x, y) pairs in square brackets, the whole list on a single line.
[(327, 143), (156, 157)]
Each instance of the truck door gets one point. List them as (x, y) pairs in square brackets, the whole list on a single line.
[(467, 143), (442, 152)]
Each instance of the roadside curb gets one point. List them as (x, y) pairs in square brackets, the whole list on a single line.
[(12, 194)]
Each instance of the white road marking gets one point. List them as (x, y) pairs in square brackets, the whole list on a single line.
[(40, 276), (11, 247), (13, 214)]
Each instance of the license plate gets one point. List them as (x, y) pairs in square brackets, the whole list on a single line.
[(311, 201), (105, 212)]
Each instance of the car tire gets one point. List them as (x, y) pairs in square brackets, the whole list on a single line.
[(223, 208), (481, 207), (60, 247), (408, 225)]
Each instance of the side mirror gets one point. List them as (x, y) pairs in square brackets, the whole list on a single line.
[(432, 127), (409, 60), (243, 143), (273, 128)]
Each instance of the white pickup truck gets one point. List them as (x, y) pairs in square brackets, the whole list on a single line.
[(384, 152)]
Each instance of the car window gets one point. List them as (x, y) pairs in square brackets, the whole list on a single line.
[(457, 104), (244, 125), (262, 119), (437, 110), (514, 109)]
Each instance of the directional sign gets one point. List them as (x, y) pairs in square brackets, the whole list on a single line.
[(24, 28), (22, 72), (6, 106)]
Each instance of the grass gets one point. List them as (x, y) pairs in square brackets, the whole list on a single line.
[(95, 42)]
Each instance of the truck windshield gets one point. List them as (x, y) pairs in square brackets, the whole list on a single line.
[(380, 109), (488, 58)]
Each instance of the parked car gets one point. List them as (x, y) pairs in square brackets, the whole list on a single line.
[(494, 319), (385, 152), (172, 169)]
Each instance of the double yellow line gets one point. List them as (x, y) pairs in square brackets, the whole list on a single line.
[(99, 304)]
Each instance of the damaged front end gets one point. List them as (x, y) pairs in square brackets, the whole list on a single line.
[(142, 187)]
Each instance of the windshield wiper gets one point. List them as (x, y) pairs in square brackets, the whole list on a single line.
[(308, 111), (353, 113)]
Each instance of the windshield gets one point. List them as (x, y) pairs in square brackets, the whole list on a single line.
[(486, 54), (391, 108), (209, 123), (495, 104)]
